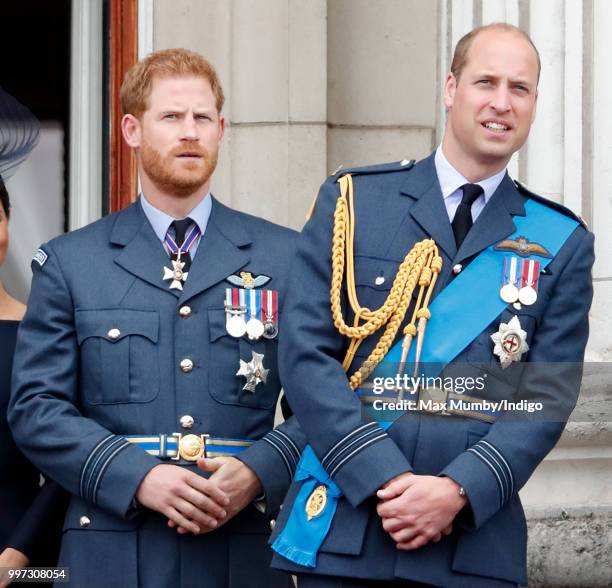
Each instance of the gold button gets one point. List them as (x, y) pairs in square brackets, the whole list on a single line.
[(114, 334), (185, 311), (457, 269), (272, 524), (186, 365), (84, 521), (186, 421)]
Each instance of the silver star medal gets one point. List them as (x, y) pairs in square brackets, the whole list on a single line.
[(510, 342), (176, 273), (253, 371)]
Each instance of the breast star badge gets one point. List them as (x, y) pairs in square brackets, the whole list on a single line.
[(510, 342), (254, 372), (176, 274)]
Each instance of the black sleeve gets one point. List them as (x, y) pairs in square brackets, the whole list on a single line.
[(39, 531)]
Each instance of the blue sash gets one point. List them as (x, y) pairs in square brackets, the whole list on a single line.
[(452, 327)]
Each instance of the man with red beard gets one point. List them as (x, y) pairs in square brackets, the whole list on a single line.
[(146, 372)]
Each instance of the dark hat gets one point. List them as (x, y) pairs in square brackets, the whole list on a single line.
[(19, 132)]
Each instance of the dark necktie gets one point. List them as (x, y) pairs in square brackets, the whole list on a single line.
[(462, 223), (180, 230)]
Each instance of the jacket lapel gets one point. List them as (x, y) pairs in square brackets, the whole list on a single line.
[(219, 253), (142, 254), (495, 221), (429, 211)]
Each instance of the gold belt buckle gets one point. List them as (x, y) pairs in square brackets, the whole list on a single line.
[(438, 397), (190, 447)]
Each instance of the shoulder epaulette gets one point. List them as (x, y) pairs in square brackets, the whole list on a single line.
[(550, 203), (379, 168)]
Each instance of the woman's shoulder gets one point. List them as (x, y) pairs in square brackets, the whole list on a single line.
[(12, 310)]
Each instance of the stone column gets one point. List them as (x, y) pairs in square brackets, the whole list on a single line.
[(382, 83)]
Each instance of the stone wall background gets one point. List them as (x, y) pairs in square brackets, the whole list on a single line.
[(315, 84)]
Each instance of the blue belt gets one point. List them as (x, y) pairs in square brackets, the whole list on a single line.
[(191, 447)]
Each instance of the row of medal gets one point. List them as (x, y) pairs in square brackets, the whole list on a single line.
[(520, 281), (251, 312)]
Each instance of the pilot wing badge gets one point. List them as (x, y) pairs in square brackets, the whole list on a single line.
[(247, 280)]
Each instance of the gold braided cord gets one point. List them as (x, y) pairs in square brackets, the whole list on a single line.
[(420, 267)]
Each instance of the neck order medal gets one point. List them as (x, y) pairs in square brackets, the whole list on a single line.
[(176, 275)]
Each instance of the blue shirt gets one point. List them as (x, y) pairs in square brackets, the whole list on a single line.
[(160, 221), (451, 181)]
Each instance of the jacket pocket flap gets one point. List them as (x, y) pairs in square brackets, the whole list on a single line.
[(376, 273), (113, 324)]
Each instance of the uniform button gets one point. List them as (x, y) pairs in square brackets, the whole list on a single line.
[(186, 421), (186, 365), (272, 524), (185, 311), (84, 521), (114, 334), (379, 281), (457, 269), (404, 162)]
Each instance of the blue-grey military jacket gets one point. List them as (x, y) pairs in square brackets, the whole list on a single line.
[(99, 356), (397, 205)]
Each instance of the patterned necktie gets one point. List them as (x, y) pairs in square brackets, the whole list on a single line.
[(462, 223), (180, 230)]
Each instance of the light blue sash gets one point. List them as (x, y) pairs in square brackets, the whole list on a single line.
[(455, 322)]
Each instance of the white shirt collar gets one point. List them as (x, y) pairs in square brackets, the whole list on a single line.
[(451, 180)]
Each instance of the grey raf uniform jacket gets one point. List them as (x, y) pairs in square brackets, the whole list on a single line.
[(77, 390), (397, 205)]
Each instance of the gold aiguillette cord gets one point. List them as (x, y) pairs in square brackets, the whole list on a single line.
[(421, 267)]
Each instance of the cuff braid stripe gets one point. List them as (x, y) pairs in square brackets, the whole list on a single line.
[(87, 462), (289, 440), (500, 469), (103, 469), (108, 447), (503, 461), (101, 450), (495, 473), (345, 440), (287, 448), (359, 441), (382, 436), (274, 444)]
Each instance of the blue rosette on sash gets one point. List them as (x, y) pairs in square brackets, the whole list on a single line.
[(301, 538)]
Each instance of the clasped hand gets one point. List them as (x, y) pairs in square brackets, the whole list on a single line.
[(416, 510), (194, 504)]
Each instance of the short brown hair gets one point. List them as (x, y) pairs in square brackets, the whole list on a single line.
[(463, 46), (136, 87)]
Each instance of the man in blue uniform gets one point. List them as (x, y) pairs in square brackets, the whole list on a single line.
[(428, 495), (149, 349)]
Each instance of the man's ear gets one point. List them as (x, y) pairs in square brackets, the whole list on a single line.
[(450, 86), (535, 107), (130, 127), (221, 128)]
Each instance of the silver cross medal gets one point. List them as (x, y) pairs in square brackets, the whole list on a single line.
[(253, 371), (176, 273)]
